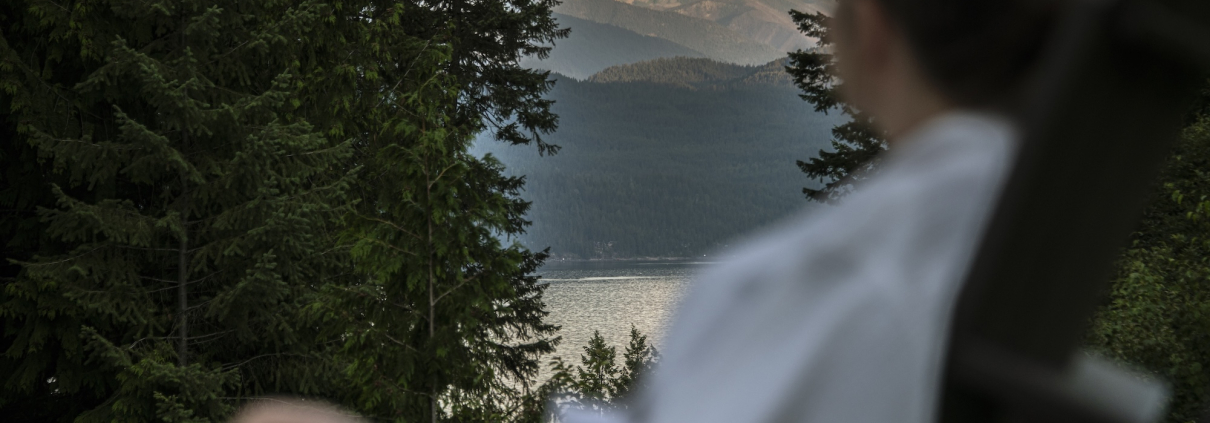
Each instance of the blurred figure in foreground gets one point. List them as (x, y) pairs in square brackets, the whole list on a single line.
[(842, 315)]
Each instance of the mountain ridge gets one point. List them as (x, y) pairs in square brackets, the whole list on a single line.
[(697, 73), (594, 46), (712, 39)]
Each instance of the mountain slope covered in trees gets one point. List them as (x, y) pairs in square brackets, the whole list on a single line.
[(698, 73), (665, 169), (593, 46)]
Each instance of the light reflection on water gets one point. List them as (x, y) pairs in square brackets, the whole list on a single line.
[(610, 297)]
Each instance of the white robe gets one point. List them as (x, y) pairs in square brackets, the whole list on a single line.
[(840, 315)]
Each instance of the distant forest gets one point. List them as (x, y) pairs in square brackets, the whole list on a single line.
[(674, 168)]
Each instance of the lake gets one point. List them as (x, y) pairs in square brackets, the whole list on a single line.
[(610, 296)]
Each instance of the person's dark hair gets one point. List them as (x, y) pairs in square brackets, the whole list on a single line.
[(977, 52)]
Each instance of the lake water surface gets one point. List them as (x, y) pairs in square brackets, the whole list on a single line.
[(610, 296)]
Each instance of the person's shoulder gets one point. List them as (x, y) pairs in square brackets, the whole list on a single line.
[(888, 252), (959, 142), (948, 171)]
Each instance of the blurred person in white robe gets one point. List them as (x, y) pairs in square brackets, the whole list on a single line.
[(841, 315)]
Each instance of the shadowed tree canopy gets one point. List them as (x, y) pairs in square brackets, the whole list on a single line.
[(204, 202), (185, 207)]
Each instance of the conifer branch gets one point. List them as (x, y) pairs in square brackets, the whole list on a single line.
[(227, 367), (96, 145), (393, 225), (65, 260), (152, 249), (405, 307), (384, 244), (459, 285), (400, 343), (442, 173), (174, 284), (197, 306), (200, 339), (411, 65), (174, 281), (35, 75)]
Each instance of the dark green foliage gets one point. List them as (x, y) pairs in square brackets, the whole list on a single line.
[(639, 358), (185, 209), (440, 317), (592, 47), (1158, 311), (447, 318), (486, 40), (658, 170), (595, 379), (598, 382), (857, 143), (205, 202)]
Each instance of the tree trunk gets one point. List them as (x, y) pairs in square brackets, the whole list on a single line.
[(428, 191), (183, 301), (182, 296)]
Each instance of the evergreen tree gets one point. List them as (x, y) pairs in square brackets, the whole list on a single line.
[(857, 143), (597, 383), (440, 315), (191, 209), (638, 359), (595, 378), (190, 203)]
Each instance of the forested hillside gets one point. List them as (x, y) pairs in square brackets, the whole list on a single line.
[(710, 38), (664, 169), (698, 73), (594, 46)]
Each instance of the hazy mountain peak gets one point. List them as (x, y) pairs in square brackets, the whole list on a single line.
[(595, 46), (763, 21), (711, 38)]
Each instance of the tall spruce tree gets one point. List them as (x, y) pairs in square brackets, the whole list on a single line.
[(854, 156), (186, 209), (187, 161), (443, 320)]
